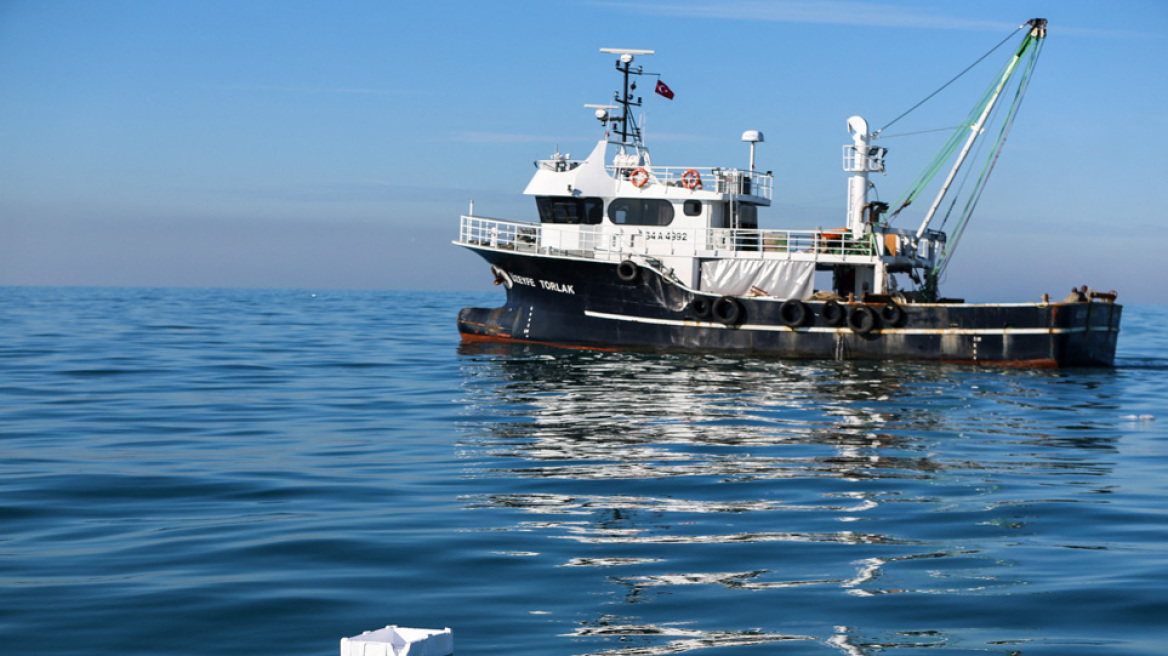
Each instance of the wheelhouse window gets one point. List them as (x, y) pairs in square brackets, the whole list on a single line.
[(569, 209), (640, 211)]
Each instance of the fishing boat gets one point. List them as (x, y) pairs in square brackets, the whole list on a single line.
[(628, 254)]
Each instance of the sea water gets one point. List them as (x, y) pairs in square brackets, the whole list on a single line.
[(265, 472)]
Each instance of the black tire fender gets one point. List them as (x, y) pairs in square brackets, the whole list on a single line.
[(627, 270), (862, 319), (793, 313), (701, 307), (729, 311), (892, 314), (833, 313)]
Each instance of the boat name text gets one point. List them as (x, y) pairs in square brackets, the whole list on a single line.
[(546, 284)]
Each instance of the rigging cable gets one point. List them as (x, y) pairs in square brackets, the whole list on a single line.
[(955, 78), (938, 162), (954, 141)]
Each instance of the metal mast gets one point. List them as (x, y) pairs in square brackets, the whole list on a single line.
[(627, 126)]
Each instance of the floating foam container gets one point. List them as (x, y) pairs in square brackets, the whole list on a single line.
[(400, 641)]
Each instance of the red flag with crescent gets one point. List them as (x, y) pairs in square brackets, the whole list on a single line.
[(664, 90)]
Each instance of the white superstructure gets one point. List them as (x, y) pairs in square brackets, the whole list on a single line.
[(699, 225)]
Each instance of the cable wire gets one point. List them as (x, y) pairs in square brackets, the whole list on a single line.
[(943, 86)]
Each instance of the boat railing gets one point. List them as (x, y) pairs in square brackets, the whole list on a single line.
[(779, 242), (551, 239), (721, 180), (558, 165), (497, 233), (604, 243)]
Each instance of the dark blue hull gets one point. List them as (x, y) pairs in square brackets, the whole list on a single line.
[(593, 304)]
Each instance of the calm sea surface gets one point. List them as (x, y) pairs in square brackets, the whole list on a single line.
[(265, 472)]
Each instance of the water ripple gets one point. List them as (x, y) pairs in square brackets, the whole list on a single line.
[(243, 466)]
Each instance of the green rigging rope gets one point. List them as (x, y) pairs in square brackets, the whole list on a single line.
[(957, 193), (979, 186), (951, 145)]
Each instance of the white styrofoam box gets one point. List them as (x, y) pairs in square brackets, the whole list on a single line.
[(400, 641)]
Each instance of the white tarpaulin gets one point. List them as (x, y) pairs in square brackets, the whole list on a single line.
[(780, 278)]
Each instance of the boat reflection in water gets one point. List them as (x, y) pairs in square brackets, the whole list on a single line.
[(681, 502)]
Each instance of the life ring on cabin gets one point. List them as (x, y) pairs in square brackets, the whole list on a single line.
[(639, 178), (627, 270), (701, 307), (862, 320), (833, 313), (691, 179), (892, 314), (728, 311), (793, 313)]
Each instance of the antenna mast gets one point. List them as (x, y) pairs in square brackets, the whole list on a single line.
[(627, 125)]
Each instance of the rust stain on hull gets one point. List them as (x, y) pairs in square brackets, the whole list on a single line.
[(507, 339)]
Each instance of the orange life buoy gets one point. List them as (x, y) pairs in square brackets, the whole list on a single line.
[(639, 178), (691, 179)]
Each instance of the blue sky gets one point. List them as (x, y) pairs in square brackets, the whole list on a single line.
[(334, 144)]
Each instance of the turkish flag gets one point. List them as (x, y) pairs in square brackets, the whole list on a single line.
[(664, 90)]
